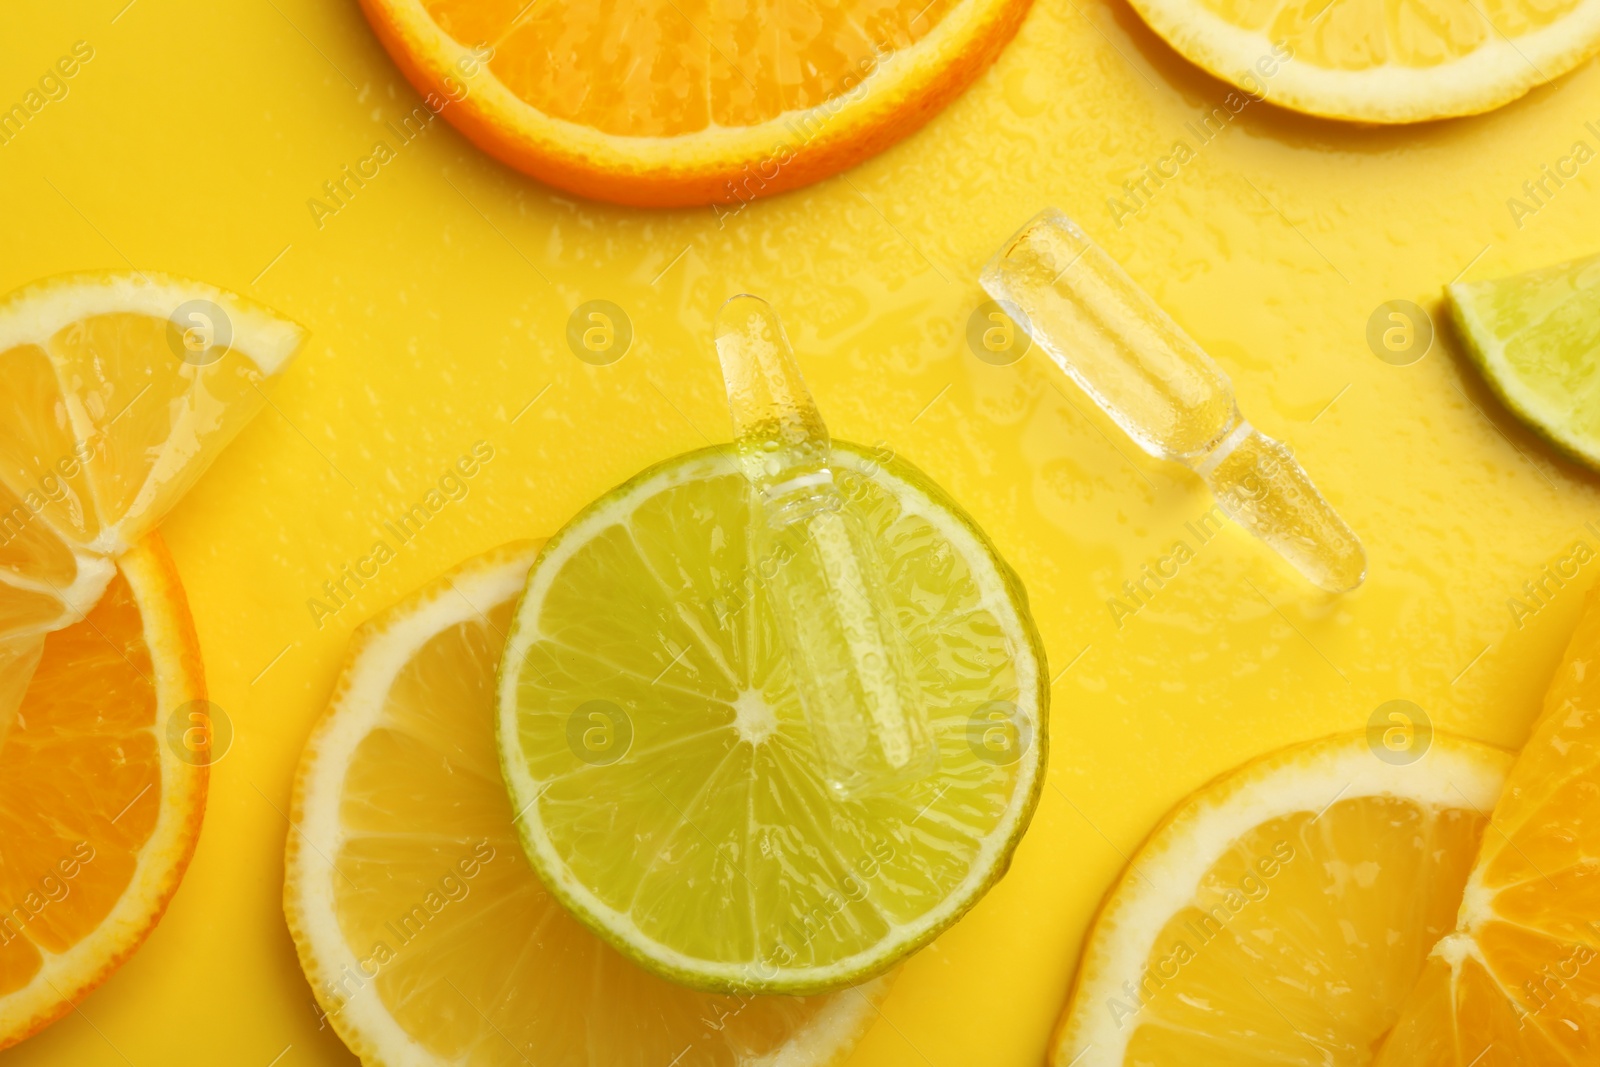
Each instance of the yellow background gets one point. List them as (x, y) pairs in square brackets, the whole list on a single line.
[(437, 299)]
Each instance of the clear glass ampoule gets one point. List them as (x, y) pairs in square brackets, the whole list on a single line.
[(853, 668), (1161, 388)]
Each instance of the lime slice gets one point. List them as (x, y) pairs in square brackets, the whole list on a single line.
[(665, 781), (1536, 336)]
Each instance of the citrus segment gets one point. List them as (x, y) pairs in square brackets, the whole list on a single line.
[(19, 656), (1282, 913), (1380, 60), (1518, 981), (670, 790), (98, 814), (135, 391), (665, 103), (1534, 336), (425, 935), (37, 432)]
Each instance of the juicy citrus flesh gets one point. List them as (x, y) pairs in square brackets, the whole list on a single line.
[(1535, 337), (662, 69), (1282, 914), (19, 657), (1518, 982), (98, 814), (425, 934), (667, 103), (107, 418), (1381, 60), (670, 791)]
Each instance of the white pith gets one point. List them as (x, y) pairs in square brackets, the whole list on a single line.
[(35, 314), (88, 586), (753, 717)]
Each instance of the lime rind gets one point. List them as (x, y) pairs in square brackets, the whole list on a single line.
[(1002, 595), (1536, 339)]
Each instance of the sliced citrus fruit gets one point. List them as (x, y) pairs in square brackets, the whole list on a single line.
[(1517, 984), (663, 103), (98, 812), (1535, 336), (426, 937), (1376, 60), (669, 790), (120, 391), (1280, 914)]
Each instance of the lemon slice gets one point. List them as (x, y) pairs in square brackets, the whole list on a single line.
[(667, 784), (1536, 337), (1516, 984), (120, 389), (1281, 914), (1378, 60), (426, 938)]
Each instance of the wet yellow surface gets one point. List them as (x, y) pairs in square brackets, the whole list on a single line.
[(438, 294)]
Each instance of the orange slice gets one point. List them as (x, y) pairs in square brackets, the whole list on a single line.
[(426, 936), (667, 102), (1280, 914), (1518, 982), (98, 813)]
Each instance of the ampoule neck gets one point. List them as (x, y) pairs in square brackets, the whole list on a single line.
[(1234, 430)]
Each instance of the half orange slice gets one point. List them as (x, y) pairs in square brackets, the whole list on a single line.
[(98, 812)]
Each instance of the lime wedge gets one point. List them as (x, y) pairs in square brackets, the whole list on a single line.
[(665, 780), (1536, 336)]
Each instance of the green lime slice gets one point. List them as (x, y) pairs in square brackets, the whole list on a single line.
[(1536, 337), (668, 790)]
